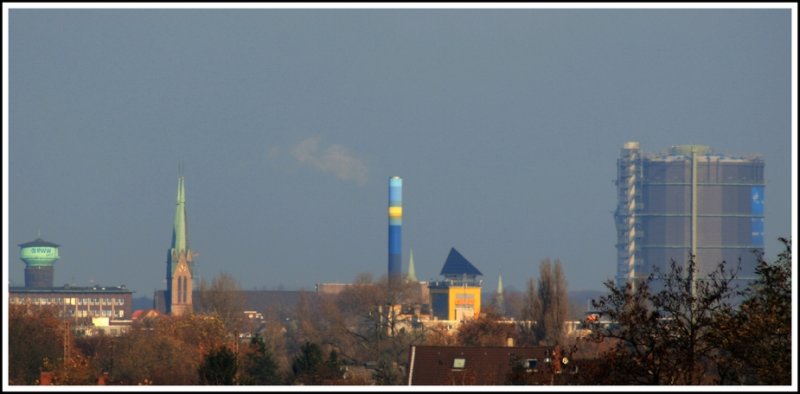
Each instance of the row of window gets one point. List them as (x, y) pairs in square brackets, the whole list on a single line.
[(95, 313), (67, 301)]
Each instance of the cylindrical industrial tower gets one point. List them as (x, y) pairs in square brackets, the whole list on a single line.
[(395, 226), (39, 256), (688, 200)]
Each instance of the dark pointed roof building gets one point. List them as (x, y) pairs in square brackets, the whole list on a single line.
[(458, 296), (456, 266)]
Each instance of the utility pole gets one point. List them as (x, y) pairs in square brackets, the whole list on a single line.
[(236, 346), (66, 341)]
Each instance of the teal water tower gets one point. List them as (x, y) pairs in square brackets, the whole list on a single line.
[(39, 256)]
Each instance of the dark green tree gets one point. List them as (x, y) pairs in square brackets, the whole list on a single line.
[(259, 366), (218, 367), (310, 366), (306, 365), (334, 368)]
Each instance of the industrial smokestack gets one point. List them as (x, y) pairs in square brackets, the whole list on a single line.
[(395, 226)]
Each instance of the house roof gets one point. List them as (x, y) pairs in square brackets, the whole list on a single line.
[(456, 264), (144, 314), (457, 365)]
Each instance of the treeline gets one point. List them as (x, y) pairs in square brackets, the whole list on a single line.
[(660, 332), (360, 336), (676, 328)]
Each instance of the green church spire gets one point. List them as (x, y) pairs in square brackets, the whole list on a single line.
[(180, 262), (180, 243), (412, 275), (500, 302), (179, 230), (500, 284)]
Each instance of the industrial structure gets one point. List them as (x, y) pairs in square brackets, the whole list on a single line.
[(688, 200), (180, 262), (39, 256), (458, 296), (395, 226), (69, 301)]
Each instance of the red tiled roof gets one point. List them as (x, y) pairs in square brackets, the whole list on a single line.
[(143, 313), (438, 365)]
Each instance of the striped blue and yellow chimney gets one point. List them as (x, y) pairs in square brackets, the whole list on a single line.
[(395, 226)]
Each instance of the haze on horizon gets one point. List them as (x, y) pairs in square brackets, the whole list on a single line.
[(505, 126)]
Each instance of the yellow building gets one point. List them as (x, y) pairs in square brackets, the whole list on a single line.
[(458, 296)]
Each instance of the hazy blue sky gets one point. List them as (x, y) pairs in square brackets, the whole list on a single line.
[(504, 124)]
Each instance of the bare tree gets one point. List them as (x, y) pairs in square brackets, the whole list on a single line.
[(546, 307), (753, 340), (222, 297), (366, 322), (513, 302), (530, 305), (558, 310), (486, 330), (664, 337)]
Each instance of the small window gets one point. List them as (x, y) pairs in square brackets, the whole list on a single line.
[(459, 363), (531, 363)]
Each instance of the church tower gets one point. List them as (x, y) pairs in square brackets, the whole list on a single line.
[(178, 297)]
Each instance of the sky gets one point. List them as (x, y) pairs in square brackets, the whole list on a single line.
[(505, 125)]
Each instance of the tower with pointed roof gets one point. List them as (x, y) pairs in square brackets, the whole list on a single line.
[(178, 297), (458, 296), (500, 300), (412, 274)]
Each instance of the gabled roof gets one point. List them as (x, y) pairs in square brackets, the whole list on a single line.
[(438, 365), (456, 264), (144, 314)]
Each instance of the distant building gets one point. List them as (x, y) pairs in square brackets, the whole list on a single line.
[(687, 200), (39, 256), (180, 262), (77, 302), (331, 288), (458, 296), (109, 327), (80, 303)]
